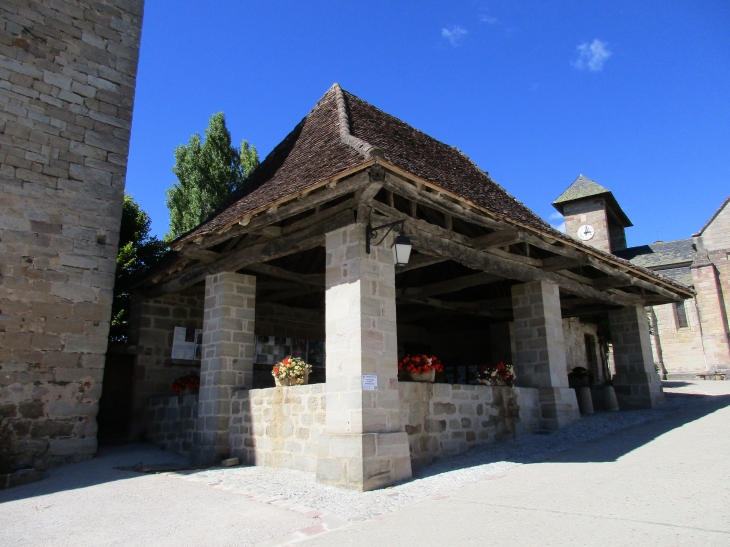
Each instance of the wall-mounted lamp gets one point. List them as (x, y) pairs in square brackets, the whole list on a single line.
[(401, 246)]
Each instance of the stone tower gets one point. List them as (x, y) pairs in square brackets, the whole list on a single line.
[(593, 215), (67, 78)]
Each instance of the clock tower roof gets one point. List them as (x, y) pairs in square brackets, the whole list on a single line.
[(583, 188)]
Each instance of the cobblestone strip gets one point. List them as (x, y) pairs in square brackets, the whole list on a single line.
[(335, 508)]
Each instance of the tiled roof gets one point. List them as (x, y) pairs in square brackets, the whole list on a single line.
[(341, 133), (312, 152), (661, 254), (315, 151), (583, 187)]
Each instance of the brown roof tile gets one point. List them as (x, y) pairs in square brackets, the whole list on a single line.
[(320, 147)]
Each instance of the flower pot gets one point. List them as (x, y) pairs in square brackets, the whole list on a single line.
[(609, 398), (290, 381), (585, 401), (423, 377)]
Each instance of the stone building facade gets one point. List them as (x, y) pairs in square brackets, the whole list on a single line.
[(67, 80), (692, 337), (689, 336)]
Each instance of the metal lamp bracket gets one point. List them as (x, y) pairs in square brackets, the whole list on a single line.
[(372, 233)]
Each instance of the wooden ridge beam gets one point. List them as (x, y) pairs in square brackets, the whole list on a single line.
[(472, 308), (420, 261), (479, 260), (309, 238), (318, 196), (316, 280), (452, 285)]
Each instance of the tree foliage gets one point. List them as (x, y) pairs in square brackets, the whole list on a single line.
[(207, 173), (137, 252)]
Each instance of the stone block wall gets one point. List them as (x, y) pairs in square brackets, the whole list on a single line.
[(171, 421), (67, 79), (152, 324), (681, 348), (279, 427), (574, 332), (590, 211), (443, 420)]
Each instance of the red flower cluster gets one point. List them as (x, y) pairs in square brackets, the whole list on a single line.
[(185, 382), (420, 364)]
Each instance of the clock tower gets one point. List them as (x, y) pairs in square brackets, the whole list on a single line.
[(593, 215)]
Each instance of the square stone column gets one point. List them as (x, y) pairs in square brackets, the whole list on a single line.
[(540, 351), (636, 383), (227, 360), (365, 445)]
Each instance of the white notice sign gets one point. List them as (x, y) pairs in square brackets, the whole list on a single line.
[(370, 382)]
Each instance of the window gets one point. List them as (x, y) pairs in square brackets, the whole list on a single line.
[(681, 314)]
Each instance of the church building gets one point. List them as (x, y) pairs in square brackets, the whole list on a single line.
[(688, 336)]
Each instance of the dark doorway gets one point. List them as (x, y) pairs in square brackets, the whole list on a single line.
[(115, 406)]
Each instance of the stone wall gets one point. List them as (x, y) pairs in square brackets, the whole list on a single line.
[(716, 236), (443, 420), (574, 331), (681, 348), (67, 79), (280, 427), (171, 421), (591, 211), (152, 324)]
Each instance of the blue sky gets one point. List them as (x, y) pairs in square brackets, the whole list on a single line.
[(633, 95)]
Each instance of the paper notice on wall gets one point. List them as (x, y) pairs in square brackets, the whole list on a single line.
[(370, 382), (187, 343)]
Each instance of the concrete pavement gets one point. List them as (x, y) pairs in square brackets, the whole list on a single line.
[(661, 483), (93, 504)]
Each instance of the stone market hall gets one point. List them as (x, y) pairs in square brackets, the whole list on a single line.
[(297, 261)]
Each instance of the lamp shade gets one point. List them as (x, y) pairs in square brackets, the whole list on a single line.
[(402, 250)]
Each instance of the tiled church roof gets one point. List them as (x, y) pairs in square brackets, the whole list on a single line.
[(582, 188), (670, 259)]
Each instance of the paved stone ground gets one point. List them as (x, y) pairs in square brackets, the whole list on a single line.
[(92, 503)]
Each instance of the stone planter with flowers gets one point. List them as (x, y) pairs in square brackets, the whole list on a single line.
[(291, 371), (419, 368)]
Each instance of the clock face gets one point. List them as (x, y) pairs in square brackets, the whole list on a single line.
[(586, 232)]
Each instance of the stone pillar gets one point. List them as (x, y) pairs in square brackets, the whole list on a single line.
[(365, 445), (540, 351), (227, 360), (636, 383), (713, 319)]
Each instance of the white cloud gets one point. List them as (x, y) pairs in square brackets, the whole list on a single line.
[(454, 35), (560, 226), (591, 57), (489, 20)]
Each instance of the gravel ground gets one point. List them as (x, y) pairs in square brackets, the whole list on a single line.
[(285, 487)]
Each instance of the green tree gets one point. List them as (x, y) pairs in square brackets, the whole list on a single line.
[(207, 173), (137, 252)]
